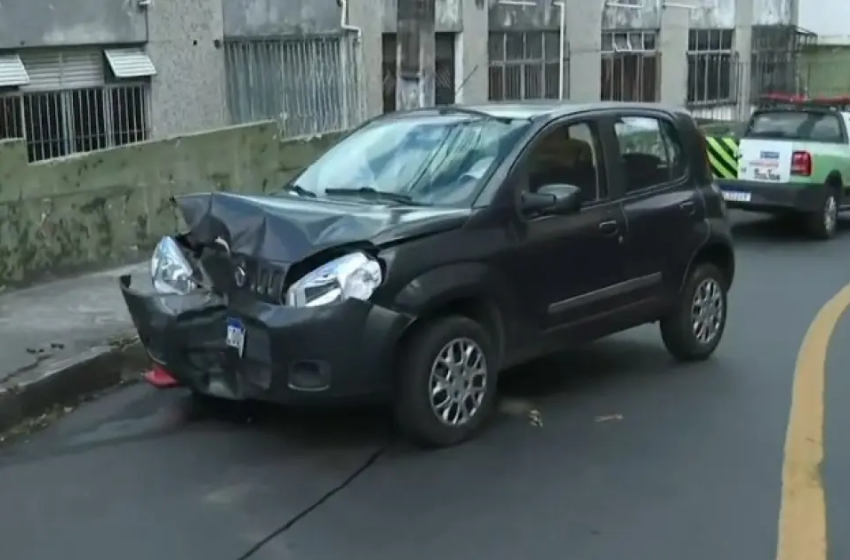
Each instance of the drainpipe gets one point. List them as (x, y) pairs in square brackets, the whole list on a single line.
[(343, 19), (345, 57)]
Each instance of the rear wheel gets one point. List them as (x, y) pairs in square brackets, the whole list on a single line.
[(447, 382), (824, 223), (693, 329)]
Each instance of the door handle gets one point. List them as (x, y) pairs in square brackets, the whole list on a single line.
[(609, 227), (689, 206)]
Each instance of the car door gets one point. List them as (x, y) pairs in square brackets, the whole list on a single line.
[(661, 203), (571, 264)]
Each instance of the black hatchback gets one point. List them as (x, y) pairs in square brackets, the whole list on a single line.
[(430, 250)]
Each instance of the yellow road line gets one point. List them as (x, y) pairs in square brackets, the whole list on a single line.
[(802, 516)]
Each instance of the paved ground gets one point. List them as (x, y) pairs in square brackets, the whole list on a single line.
[(44, 326), (635, 458)]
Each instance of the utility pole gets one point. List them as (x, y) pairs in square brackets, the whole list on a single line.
[(415, 54)]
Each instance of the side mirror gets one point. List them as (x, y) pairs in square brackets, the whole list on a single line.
[(555, 199)]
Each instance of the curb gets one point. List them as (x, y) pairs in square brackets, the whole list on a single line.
[(68, 381)]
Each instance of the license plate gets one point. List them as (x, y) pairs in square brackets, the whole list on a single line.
[(235, 337), (737, 196)]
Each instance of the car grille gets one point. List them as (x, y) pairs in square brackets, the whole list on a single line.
[(266, 281), (263, 280)]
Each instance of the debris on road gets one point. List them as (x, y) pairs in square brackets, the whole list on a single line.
[(609, 418), (535, 418)]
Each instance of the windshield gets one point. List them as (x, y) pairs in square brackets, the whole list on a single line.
[(796, 125), (425, 159)]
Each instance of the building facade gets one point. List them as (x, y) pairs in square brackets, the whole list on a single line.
[(102, 73)]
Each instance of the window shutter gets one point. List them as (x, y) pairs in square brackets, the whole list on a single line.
[(55, 70)]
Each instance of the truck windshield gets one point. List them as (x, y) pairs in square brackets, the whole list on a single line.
[(814, 126)]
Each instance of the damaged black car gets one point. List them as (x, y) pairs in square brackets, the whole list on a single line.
[(430, 250)]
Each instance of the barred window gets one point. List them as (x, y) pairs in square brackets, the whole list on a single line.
[(310, 85), (72, 104), (444, 69), (630, 66), (775, 65), (711, 64), (524, 65)]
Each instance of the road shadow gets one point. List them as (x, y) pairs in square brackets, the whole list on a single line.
[(140, 413), (580, 370), (784, 229), (571, 373)]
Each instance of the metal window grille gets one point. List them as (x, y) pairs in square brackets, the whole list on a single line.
[(310, 85), (776, 63), (631, 66), (525, 65), (59, 123), (711, 67), (444, 69)]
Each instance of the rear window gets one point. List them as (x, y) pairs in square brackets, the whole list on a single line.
[(796, 125)]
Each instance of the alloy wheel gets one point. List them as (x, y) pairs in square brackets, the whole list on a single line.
[(458, 382), (707, 310)]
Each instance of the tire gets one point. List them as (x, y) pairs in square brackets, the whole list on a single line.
[(207, 402), (416, 416), (677, 329), (824, 223)]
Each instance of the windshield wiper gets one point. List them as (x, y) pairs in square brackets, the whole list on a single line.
[(300, 191), (373, 194), (454, 109)]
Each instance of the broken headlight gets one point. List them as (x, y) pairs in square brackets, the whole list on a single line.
[(354, 276), (170, 271)]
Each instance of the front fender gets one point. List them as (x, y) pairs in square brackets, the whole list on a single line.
[(439, 286)]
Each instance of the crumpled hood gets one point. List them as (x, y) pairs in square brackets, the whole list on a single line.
[(289, 229)]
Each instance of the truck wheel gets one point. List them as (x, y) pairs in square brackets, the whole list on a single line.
[(824, 223), (693, 329), (446, 384)]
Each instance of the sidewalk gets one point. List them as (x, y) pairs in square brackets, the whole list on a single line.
[(62, 340)]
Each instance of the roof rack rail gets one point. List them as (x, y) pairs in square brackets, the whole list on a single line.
[(779, 100)]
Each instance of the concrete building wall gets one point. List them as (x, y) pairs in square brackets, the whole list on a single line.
[(185, 39), (188, 92), (713, 14), (646, 14), (775, 12), (263, 18), (50, 23), (449, 15)]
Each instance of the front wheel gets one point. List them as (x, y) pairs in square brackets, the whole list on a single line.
[(693, 329), (446, 385), (824, 223)]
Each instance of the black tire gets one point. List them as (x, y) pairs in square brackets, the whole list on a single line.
[(203, 400), (677, 329), (413, 410), (821, 224)]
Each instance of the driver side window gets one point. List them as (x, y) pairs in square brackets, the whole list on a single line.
[(568, 154)]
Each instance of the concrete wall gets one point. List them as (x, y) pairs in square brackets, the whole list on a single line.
[(39, 23), (713, 14), (825, 70), (775, 12), (188, 92), (261, 18), (109, 207), (647, 16), (449, 15)]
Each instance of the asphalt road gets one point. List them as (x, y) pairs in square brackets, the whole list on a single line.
[(636, 457)]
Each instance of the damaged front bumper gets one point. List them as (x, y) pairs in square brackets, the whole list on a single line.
[(290, 355)]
